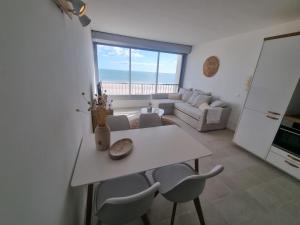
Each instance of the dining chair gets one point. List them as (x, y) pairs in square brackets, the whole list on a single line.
[(122, 200), (181, 183), (150, 120), (116, 123)]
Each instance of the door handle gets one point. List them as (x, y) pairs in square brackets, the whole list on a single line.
[(272, 117), (291, 164), (274, 113)]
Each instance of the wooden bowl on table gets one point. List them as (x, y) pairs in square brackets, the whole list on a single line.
[(120, 149)]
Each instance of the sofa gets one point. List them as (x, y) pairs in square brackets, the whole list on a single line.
[(197, 108)]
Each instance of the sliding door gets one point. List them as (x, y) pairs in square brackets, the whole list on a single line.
[(129, 71), (143, 72), (114, 69)]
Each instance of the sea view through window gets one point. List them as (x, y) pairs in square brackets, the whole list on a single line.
[(128, 71)]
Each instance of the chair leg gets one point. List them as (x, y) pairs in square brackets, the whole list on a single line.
[(197, 165), (89, 205), (145, 219), (173, 213), (199, 210)]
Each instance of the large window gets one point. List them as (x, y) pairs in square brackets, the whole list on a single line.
[(168, 72), (114, 69), (128, 71)]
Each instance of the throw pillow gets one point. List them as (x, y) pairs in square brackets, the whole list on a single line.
[(204, 106), (175, 96), (218, 103), (182, 91), (201, 99), (192, 99), (186, 95), (202, 92)]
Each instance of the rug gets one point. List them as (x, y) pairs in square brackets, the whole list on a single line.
[(134, 122)]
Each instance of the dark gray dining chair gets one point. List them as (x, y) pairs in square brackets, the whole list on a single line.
[(125, 199), (150, 120), (181, 183), (116, 123)]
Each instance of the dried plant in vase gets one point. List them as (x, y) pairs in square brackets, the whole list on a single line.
[(98, 108), (102, 132)]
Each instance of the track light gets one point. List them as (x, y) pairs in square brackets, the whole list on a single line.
[(77, 8)]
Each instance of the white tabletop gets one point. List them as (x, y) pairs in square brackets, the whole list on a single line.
[(159, 111), (153, 147)]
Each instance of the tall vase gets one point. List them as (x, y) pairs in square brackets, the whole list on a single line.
[(102, 138)]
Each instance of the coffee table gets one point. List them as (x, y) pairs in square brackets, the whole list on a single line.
[(159, 111)]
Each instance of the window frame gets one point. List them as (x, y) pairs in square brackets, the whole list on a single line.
[(181, 75)]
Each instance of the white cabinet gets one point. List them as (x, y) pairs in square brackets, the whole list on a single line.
[(293, 158), (276, 75), (289, 165), (256, 132), (275, 79)]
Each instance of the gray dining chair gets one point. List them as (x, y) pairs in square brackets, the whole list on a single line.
[(150, 120), (181, 183), (116, 123), (122, 200)]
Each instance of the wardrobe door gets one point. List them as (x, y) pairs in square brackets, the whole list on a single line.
[(256, 132), (276, 76)]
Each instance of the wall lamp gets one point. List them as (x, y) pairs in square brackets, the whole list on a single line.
[(74, 7)]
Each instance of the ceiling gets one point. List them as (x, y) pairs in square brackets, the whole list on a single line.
[(189, 21)]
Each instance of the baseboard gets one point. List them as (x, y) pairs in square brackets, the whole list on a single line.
[(231, 126)]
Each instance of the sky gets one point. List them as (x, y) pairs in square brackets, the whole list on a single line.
[(116, 58)]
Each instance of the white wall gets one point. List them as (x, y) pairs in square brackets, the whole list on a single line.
[(45, 62), (238, 57)]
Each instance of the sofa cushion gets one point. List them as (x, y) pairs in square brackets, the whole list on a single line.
[(159, 96), (192, 99), (182, 91), (204, 106), (186, 95), (218, 103), (201, 99), (174, 96), (189, 109), (202, 92), (156, 102)]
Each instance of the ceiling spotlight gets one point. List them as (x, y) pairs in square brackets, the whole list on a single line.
[(79, 7), (84, 20), (75, 7)]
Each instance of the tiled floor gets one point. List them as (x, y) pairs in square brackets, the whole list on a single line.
[(249, 191)]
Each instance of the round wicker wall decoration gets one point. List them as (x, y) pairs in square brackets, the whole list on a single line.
[(211, 66)]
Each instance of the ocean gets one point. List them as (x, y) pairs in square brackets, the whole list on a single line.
[(120, 76)]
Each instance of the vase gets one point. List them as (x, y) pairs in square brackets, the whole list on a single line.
[(102, 138)]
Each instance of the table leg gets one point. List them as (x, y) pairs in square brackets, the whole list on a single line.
[(197, 165), (89, 205)]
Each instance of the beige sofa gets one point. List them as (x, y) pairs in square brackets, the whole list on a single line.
[(194, 116)]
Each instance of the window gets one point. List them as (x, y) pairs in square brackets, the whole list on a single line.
[(143, 71), (168, 72), (114, 69), (129, 71)]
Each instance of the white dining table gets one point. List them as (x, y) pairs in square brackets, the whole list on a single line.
[(152, 148)]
